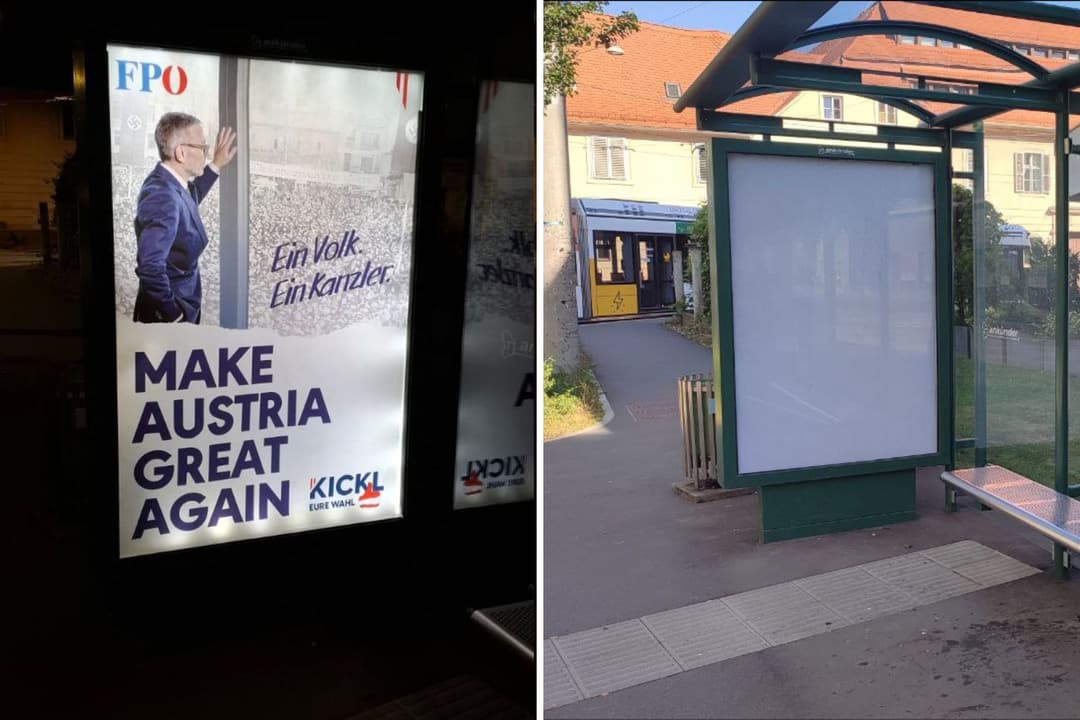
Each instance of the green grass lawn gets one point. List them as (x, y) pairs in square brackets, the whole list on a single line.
[(1020, 419)]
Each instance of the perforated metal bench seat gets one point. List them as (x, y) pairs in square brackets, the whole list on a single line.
[(1051, 513), (513, 624)]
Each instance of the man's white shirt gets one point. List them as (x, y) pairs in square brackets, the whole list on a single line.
[(182, 181)]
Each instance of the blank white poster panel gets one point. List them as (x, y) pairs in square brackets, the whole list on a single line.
[(834, 311)]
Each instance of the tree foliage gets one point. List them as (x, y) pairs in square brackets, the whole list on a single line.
[(567, 31), (699, 235), (964, 255)]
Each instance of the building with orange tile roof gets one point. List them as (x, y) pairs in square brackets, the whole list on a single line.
[(626, 142)]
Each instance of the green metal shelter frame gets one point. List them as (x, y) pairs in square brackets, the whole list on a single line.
[(721, 149), (747, 67)]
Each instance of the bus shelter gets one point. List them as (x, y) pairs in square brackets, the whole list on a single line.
[(864, 310)]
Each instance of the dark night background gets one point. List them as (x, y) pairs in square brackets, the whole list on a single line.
[(293, 626)]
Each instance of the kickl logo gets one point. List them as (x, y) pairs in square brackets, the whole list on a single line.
[(497, 472), (360, 490)]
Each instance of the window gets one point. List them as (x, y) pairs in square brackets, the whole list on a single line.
[(614, 258), (67, 121), (929, 42), (1072, 54), (1022, 49), (608, 157), (1038, 52), (672, 91), (946, 43), (1031, 173), (949, 88), (1057, 54), (963, 160), (367, 164), (832, 107), (701, 165), (906, 39), (886, 114)]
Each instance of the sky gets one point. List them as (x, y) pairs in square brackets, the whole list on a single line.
[(728, 16)]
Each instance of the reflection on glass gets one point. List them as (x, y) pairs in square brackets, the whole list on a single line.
[(496, 431)]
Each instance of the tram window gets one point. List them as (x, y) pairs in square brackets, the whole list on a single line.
[(614, 256)]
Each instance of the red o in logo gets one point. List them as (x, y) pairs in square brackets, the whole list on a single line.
[(167, 80)]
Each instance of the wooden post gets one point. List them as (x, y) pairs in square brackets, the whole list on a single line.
[(688, 462), (711, 476)]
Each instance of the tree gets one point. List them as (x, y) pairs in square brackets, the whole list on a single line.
[(1043, 277), (964, 256), (567, 31), (699, 235)]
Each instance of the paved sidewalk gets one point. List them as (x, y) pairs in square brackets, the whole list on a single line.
[(620, 545)]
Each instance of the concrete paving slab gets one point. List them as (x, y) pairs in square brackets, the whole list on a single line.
[(703, 633), (614, 657)]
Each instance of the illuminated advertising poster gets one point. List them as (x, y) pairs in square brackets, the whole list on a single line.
[(263, 234), (497, 412)]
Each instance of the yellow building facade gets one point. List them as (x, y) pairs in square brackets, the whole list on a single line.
[(668, 171), (36, 134)]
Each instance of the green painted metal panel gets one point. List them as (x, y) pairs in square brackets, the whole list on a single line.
[(719, 121), (804, 76), (908, 27), (723, 342), (836, 505)]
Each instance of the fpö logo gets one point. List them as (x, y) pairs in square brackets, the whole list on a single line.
[(144, 76), (342, 491), (493, 473)]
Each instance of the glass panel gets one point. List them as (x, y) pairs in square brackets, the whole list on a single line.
[(497, 410), (834, 304), (1074, 306), (614, 258), (287, 272), (1017, 340)]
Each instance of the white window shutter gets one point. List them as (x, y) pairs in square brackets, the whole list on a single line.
[(702, 164), (600, 158), (618, 159), (1046, 173), (1018, 172)]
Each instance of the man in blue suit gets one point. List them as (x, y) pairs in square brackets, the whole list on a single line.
[(170, 233)]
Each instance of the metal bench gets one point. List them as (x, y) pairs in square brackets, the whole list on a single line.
[(514, 625), (1055, 515)]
